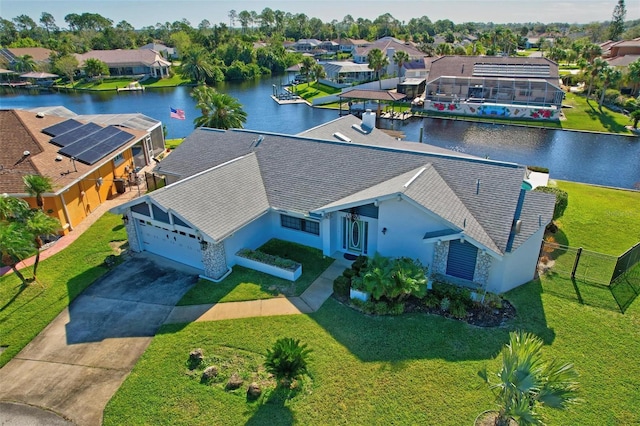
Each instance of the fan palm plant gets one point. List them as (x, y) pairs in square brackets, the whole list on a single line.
[(525, 380), (219, 110), (377, 61), (287, 359), (37, 185)]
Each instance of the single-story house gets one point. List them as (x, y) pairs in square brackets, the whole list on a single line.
[(40, 55), (85, 161), (130, 62), (517, 87), (347, 71), (467, 218)]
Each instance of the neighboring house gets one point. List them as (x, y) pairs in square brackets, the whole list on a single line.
[(40, 55), (330, 46), (348, 72), (130, 62), (518, 87), (534, 42), (306, 45), (418, 68), (349, 45), (165, 51), (621, 53), (143, 152), (84, 160), (389, 46), (466, 218)]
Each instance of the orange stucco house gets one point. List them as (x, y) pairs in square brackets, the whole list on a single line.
[(85, 164)]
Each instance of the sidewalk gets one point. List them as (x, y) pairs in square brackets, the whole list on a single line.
[(64, 241), (309, 301)]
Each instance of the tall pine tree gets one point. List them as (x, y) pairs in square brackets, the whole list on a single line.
[(616, 28)]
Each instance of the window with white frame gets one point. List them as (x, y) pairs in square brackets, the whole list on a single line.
[(118, 159), (299, 224)]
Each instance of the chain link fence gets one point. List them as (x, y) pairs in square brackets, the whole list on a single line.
[(594, 274)]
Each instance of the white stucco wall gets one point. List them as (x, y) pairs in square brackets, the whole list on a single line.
[(516, 268), (406, 225), (251, 236)]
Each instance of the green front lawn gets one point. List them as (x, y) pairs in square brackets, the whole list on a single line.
[(247, 284), (585, 115), (311, 91), (24, 312), (412, 369)]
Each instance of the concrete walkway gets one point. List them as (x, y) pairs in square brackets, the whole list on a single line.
[(309, 301)]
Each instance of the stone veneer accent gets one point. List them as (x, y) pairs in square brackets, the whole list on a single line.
[(483, 266), (130, 226), (440, 254), (215, 261)]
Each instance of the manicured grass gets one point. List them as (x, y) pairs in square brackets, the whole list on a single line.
[(585, 115), (311, 91), (493, 120), (106, 84), (173, 143), (24, 312), (175, 80), (247, 284), (412, 369)]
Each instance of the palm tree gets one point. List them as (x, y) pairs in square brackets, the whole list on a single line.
[(36, 185), (377, 61), (318, 72), (196, 65), (400, 58), (21, 230), (306, 67), (609, 76), (633, 76), (25, 63), (219, 110), (594, 69), (525, 380)]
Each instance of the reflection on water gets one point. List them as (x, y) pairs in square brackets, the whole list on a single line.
[(582, 157)]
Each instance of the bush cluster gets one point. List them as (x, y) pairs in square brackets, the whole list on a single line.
[(269, 259), (562, 199)]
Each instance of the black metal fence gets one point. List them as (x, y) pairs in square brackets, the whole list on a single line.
[(617, 275), (154, 181)]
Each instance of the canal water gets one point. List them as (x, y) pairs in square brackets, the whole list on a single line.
[(582, 157)]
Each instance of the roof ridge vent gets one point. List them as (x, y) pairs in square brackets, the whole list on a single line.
[(258, 141), (410, 181), (359, 128)]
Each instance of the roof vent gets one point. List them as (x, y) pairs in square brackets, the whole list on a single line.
[(517, 226), (258, 141), (58, 157), (341, 137), (26, 153), (40, 115)]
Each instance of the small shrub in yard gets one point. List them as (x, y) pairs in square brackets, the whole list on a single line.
[(562, 199), (397, 308), (341, 286), (269, 259), (458, 309), (381, 308), (445, 303), (431, 300), (349, 273), (287, 359), (359, 263)]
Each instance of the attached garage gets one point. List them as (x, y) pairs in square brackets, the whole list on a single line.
[(176, 245), (461, 261)]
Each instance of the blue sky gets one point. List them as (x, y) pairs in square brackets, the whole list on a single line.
[(149, 12)]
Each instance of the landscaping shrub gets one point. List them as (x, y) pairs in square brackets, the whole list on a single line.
[(397, 308), (431, 300), (445, 304), (392, 279), (287, 359), (349, 273), (562, 199), (341, 286), (538, 169), (381, 308), (269, 259), (458, 309), (359, 264)]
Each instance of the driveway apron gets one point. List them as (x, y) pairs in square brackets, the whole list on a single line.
[(78, 362)]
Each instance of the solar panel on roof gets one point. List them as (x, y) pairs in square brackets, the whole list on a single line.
[(60, 128), (98, 151), (76, 134), (89, 141)]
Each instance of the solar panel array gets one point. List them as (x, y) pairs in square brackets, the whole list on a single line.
[(512, 70), (60, 128), (87, 143)]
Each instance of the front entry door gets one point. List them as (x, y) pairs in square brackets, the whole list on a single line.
[(356, 236)]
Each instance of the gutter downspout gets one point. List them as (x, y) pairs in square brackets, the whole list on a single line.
[(66, 212)]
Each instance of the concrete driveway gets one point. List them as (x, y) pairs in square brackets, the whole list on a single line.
[(76, 364)]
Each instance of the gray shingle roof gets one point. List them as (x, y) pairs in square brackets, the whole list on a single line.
[(220, 200), (302, 175)]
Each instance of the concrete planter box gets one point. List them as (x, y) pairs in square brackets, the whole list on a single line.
[(357, 294), (269, 269)]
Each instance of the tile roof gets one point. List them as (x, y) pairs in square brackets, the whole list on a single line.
[(238, 197), (124, 57), (386, 43), (39, 54), (488, 191)]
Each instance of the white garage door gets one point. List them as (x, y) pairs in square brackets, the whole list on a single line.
[(178, 246)]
